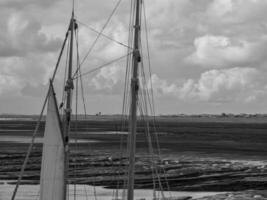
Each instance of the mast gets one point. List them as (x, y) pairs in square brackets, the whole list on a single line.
[(134, 100), (68, 88)]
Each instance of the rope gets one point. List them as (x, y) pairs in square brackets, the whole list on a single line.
[(102, 34), (79, 71), (146, 93), (76, 111), (29, 149), (101, 66), (149, 61), (37, 124), (144, 114), (98, 36), (83, 99), (151, 102), (59, 57), (84, 105), (64, 80), (150, 148)]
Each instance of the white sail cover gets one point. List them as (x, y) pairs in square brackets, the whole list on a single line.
[(52, 170)]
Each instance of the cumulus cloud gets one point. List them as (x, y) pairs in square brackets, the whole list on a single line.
[(243, 19), (173, 24), (21, 36), (235, 84), (221, 51), (216, 34), (9, 85), (107, 78), (18, 72), (26, 53), (237, 11), (19, 4), (108, 49)]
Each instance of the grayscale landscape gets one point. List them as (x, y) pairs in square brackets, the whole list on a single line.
[(133, 100), (211, 154)]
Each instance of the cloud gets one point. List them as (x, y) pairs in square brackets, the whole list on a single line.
[(162, 86), (21, 36), (26, 53), (220, 51), (18, 4), (237, 11), (223, 85), (107, 78), (173, 24), (20, 72), (217, 35), (108, 49), (9, 85)]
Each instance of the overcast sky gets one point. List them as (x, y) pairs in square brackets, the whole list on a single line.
[(207, 56)]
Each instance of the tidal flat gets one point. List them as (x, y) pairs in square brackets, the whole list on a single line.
[(228, 156)]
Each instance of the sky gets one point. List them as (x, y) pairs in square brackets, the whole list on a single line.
[(207, 56)]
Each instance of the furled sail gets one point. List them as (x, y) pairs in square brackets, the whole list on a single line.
[(52, 170)]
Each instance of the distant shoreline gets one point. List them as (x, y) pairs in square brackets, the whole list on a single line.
[(224, 117)]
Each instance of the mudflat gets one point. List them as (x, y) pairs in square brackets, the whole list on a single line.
[(196, 154)]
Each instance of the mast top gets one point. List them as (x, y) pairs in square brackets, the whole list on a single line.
[(72, 8)]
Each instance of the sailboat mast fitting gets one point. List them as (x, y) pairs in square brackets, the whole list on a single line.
[(134, 101)]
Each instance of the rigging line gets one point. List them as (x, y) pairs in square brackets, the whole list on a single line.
[(128, 69), (148, 97), (75, 141), (147, 131), (156, 137), (76, 114), (127, 85), (104, 35), (126, 90), (125, 111), (82, 90), (129, 59), (124, 117), (151, 85), (59, 57), (146, 92), (149, 60), (83, 97), (64, 80), (145, 87), (38, 123), (149, 63), (79, 71), (123, 120), (150, 150), (30, 147), (101, 66), (99, 34)]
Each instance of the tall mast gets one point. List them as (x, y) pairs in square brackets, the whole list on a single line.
[(134, 100), (68, 88)]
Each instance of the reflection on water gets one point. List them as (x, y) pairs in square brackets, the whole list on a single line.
[(27, 139), (83, 192)]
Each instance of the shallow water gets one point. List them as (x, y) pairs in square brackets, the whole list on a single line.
[(27, 139), (83, 192)]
